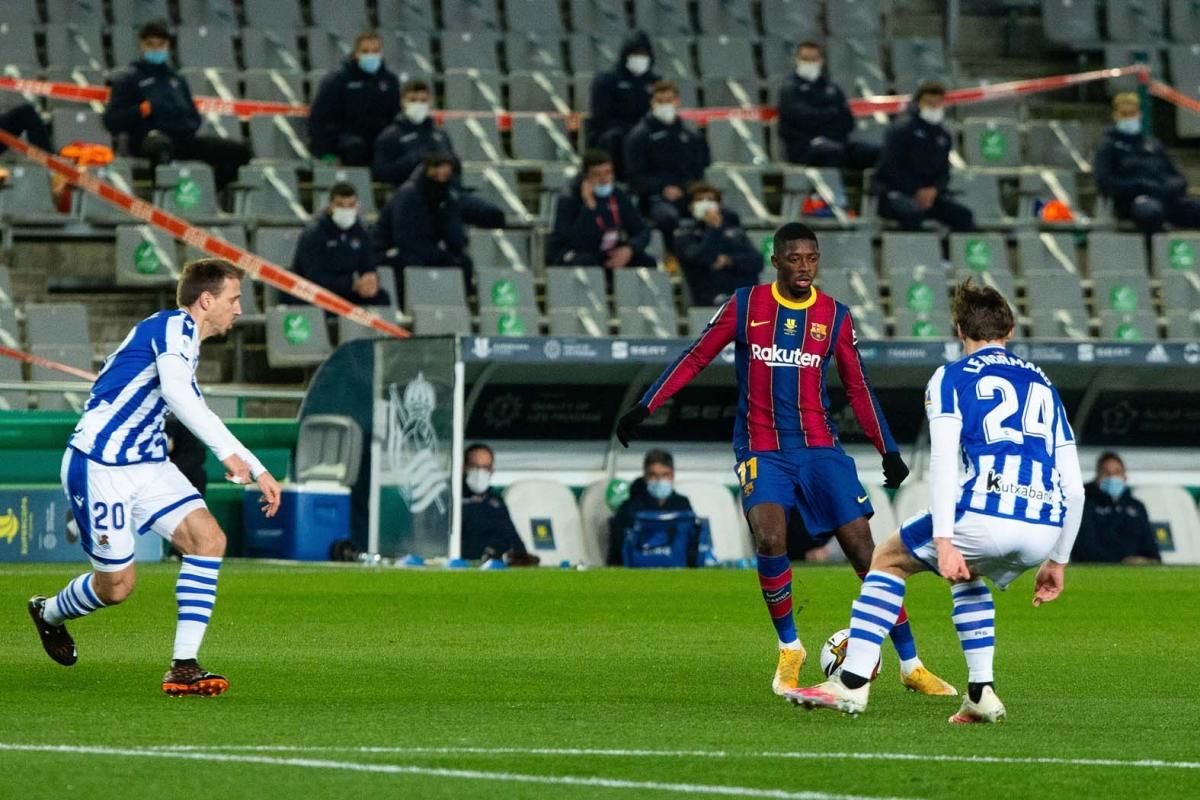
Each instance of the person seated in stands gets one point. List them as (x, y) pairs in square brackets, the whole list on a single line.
[(487, 527), (151, 106), (1115, 528), (662, 156), (402, 144), (714, 252), (620, 97), (353, 105), (914, 169), (1137, 173), (335, 252), (422, 225), (654, 491), (595, 223), (25, 120), (815, 123)]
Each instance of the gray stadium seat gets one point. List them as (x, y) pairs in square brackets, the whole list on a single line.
[(601, 17), (1124, 54), (282, 14), (440, 320), (271, 48), (733, 17), (737, 141), (1116, 254), (507, 304), (406, 15), (1140, 325), (17, 45), (73, 355), (434, 286), (980, 191), (270, 195), (848, 275), (98, 212), (673, 57), (741, 190), (592, 52), (78, 124), (57, 323), (234, 234), (387, 283), (75, 44), (471, 49), (539, 91), (137, 12), (1183, 323), (1135, 20), (25, 199), (534, 50), (408, 53), (251, 309), (326, 49), (349, 330), (10, 333), (1057, 143), (992, 142), (534, 15), (324, 177), (498, 185), (1175, 263), (1071, 23), (14, 399), (698, 318), (279, 138), (213, 13), (187, 189), (500, 248), (470, 15), (854, 18), (854, 65), (983, 257), (79, 76), (912, 264), (89, 13), (278, 85), (346, 17), (145, 257), (278, 246), (1122, 293), (297, 336), (555, 178), (542, 138), (915, 59), (576, 301), (663, 17), (473, 90), (124, 45), (1184, 60), (6, 290), (1183, 21), (724, 56), (1049, 264), (645, 303)]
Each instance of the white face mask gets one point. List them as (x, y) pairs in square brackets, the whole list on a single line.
[(809, 70), (665, 113), (344, 218), (479, 479), (701, 208), (1130, 125), (416, 112), (638, 64), (933, 116)]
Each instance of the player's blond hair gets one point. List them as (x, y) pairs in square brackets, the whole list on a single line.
[(204, 275), (1125, 99)]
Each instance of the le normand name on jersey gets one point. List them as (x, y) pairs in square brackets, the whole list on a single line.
[(978, 362), (776, 356)]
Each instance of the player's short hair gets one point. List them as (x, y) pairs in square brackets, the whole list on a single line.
[(658, 456), (791, 232), (1124, 99), (1109, 455), (342, 189), (697, 188), (477, 446), (154, 29), (436, 158), (366, 36), (981, 312), (809, 44), (595, 157), (414, 85), (204, 275), (664, 85), (935, 88)]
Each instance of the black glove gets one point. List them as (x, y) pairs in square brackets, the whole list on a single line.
[(629, 421), (894, 470)]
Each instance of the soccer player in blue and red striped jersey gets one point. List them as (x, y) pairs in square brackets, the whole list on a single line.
[(787, 449)]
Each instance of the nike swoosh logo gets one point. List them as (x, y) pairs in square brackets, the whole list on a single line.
[(756, 324), (862, 499)]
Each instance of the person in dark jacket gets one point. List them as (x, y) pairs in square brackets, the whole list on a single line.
[(815, 122), (914, 169), (621, 97), (654, 491), (1137, 173), (152, 105), (353, 105), (595, 223), (663, 156), (1115, 528), (714, 252), (402, 144), (486, 523), (422, 225), (335, 252), (25, 119)]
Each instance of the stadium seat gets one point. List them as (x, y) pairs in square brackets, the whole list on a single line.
[(1173, 509), (737, 141), (602, 17), (594, 515), (547, 519), (673, 57), (124, 45), (854, 64), (1056, 309), (1175, 263), (25, 199), (1184, 61), (145, 256), (592, 52), (187, 189), (1044, 186), (742, 191), (473, 90), (347, 18), (645, 303), (98, 212), (532, 50), (279, 139), (983, 257), (85, 13), (327, 49), (1137, 326), (252, 312), (912, 264), (507, 302), (387, 282), (911, 499), (884, 523), (980, 191), (713, 501), (732, 17), (779, 58), (854, 18), (271, 48), (283, 14), (500, 248), (137, 12), (498, 185), (236, 236), (348, 330), (440, 320), (78, 124), (324, 177), (1135, 20), (534, 15), (406, 15), (296, 336), (470, 16), (57, 324), (1183, 21), (205, 46), (662, 17), (437, 300), (1057, 143), (698, 318), (576, 301), (328, 448), (278, 246), (542, 138), (992, 142), (916, 59), (278, 85), (17, 47), (539, 91), (73, 355), (1117, 254), (796, 20), (1071, 23), (848, 274), (270, 195), (212, 13), (10, 370), (1124, 54), (75, 44), (6, 290), (408, 53), (471, 49)]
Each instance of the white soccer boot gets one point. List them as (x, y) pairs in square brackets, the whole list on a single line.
[(988, 709), (832, 694)]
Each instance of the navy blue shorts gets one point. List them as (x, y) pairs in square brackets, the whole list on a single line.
[(820, 483)]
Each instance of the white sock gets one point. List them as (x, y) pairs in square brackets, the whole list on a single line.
[(907, 665), (792, 645), (77, 599), (195, 594)]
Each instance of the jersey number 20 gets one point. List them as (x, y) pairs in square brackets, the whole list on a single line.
[(1037, 419)]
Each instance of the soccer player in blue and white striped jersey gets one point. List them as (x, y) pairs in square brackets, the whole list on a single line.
[(119, 482), (1005, 495)]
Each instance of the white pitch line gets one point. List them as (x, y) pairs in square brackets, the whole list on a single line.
[(633, 753), (434, 772)]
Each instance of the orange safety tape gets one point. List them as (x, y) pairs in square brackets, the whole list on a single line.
[(99, 94), (38, 361), (202, 240)]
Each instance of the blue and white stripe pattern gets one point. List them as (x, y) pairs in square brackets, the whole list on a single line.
[(77, 599), (195, 595), (872, 617), (974, 618), (122, 422)]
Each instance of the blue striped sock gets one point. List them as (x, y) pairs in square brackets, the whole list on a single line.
[(872, 617), (974, 618), (195, 594), (77, 599)]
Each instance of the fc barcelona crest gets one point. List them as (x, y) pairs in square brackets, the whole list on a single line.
[(818, 331)]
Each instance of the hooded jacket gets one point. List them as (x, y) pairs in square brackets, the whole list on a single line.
[(172, 109), (351, 101), (620, 98), (1128, 165), (423, 233)]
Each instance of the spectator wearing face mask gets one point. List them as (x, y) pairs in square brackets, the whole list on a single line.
[(621, 97), (663, 155), (1137, 173), (486, 523), (914, 169), (402, 144), (654, 491), (815, 122), (1115, 528), (152, 108), (595, 223), (335, 252), (714, 252), (422, 225), (353, 105)]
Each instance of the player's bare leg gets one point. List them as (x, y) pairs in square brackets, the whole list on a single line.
[(768, 523), (855, 540), (202, 543)]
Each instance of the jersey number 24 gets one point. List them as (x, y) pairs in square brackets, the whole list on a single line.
[(1037, 419)]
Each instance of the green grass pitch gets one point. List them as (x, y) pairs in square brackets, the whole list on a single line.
[(596, 684)]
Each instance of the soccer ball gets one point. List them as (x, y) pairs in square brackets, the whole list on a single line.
[(833, 653)]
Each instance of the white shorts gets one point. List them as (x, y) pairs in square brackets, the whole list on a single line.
[(111, 504), (994, 547)]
